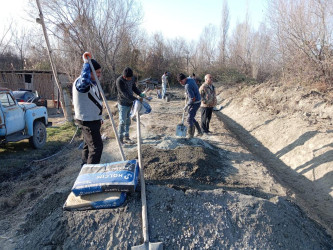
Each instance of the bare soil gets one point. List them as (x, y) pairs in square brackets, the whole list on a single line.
[(290, 129), (234, 189)]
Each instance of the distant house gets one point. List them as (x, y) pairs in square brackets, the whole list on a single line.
[(42, 81)]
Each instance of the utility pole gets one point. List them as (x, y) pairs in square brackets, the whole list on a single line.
[(65, 103)]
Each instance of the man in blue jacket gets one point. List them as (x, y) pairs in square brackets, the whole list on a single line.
[(193, 103), (88, 107)]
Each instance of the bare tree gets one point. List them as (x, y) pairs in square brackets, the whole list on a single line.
[(240, 48), (21, 43), (36, 55), (5, 37), (158, 55), (262, 54), (206, 50), (299, 39), (10, 58), (105, 28), (178, 54), (192, 59), (224, 28), (154, 61), (304, 37)]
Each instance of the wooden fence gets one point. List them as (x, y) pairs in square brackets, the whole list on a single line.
[(41, 81)]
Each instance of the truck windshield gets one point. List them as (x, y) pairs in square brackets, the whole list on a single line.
[(6, 99)]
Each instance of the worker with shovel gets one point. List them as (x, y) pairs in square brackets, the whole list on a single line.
[(193, 103), (88, 107), (125, 89)]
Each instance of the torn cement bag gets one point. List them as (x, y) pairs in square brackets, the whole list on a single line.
[(143, 108), (116, 176), (94, 201)]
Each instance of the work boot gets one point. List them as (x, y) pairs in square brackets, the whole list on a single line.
[(127, 140), (190, 132), (197, 126)]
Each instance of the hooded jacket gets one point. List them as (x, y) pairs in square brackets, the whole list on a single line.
[(87, 100)]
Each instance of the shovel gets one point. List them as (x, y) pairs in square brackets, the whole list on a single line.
[(108, 109), (146, 244), (181, 129)]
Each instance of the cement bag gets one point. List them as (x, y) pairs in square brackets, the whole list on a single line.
[(94, 201), (144, 108), (109, 177)]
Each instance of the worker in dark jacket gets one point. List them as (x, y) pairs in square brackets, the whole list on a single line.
[(88, 107), (125, 89), (193, 103)]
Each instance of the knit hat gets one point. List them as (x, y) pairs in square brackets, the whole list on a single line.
[(95, 64), (181, 76), (128, 72)]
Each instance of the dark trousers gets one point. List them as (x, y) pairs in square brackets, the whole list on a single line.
[(206, 115), (93, 144), (192, 111)]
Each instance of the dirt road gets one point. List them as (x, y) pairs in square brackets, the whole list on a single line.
[(204, 193)]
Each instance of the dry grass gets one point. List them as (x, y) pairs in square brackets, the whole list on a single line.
[(16, 156)]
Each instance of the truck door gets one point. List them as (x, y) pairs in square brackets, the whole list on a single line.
[(12, 115)]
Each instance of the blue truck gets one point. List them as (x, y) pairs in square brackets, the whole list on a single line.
[(19, 121)]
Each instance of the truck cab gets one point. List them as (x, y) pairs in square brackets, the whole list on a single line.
[(20, 121)]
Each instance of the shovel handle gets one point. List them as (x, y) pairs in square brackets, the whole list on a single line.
[(183, 116), (142, 182), (107, 108), (184, 110)]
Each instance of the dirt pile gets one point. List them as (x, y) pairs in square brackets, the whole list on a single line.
[(186, 209), (290, 128), (178, 168)]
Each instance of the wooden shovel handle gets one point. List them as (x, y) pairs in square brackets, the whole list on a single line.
[(142, 183)]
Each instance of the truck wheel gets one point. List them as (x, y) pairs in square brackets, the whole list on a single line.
[(38, 140)]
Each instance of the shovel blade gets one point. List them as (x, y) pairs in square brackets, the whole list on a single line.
[(181, 130), (149, 246)]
